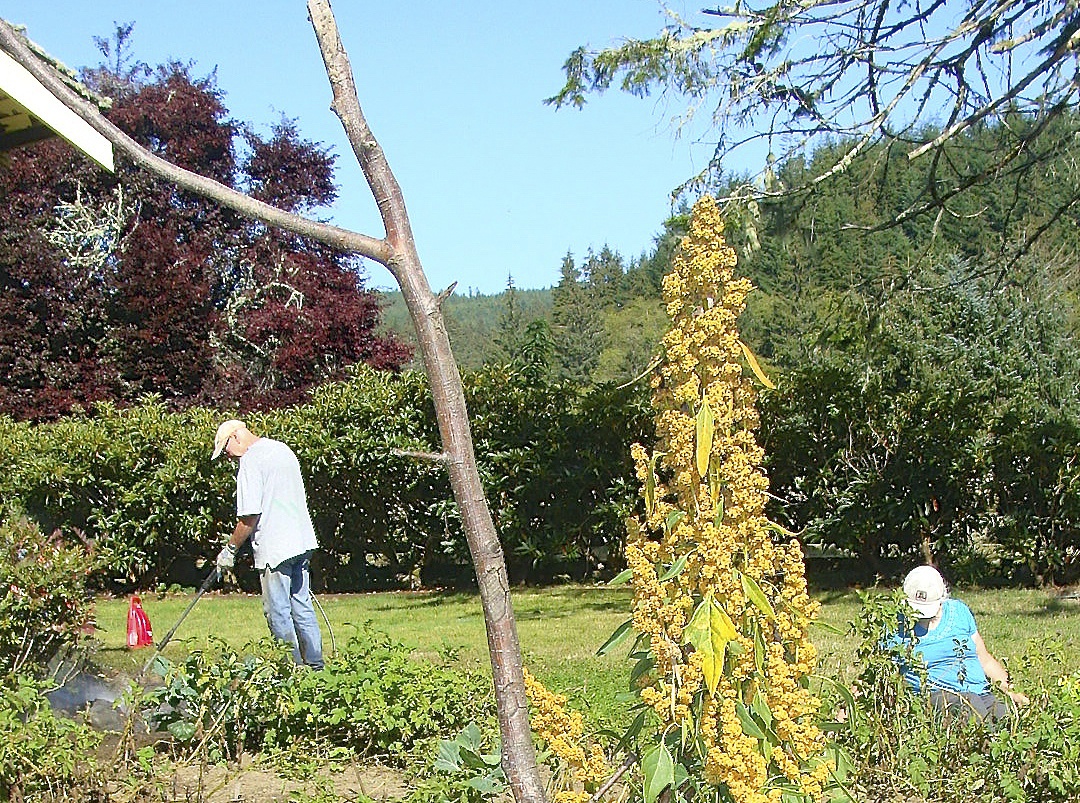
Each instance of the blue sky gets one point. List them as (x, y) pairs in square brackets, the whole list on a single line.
[(496, 182)]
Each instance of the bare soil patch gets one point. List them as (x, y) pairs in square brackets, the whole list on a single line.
[(231, 784)]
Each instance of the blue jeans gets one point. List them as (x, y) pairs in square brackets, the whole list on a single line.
[(290, 613)]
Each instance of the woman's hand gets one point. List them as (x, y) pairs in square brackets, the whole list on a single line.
[(1018, 697)]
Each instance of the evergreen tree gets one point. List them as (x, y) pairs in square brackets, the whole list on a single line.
[(510, 335), (603, 275), (578, 327)]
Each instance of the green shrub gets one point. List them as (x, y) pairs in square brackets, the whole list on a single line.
[(140, 484), (42, 756), (372, 699), (45, 602)]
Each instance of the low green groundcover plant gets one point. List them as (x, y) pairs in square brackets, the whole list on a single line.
[(900, 746), (42, 756), (373, 699)]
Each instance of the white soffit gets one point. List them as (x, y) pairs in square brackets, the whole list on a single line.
[(23, 88)]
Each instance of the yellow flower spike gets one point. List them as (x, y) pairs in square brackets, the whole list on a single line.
[(705, 493), (712, 473)]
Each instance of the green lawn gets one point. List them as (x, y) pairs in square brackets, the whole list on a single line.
[(560, 630)]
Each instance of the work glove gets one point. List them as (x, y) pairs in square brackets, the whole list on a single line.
[(226, 559)]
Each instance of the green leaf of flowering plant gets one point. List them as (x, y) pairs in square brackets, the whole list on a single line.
[(631, 733), (705, 429), (718, 501), (772, 525), (756, 367), (846, 696), (675, 569), (644, 664), (650, 484), (621, 578), (749, 725), (674, 517), (757, 596), (658, 767), (709, 631), (618, 637)]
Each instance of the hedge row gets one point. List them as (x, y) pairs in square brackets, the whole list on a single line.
[(878, 476), (140, 486)]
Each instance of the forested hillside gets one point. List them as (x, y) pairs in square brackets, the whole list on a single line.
[(814, 260), (476, 323), (926, 365)]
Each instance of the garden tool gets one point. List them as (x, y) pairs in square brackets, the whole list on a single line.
[(211, 578)]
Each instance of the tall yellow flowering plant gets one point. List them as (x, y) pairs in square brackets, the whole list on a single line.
[(720, 599), (720, 610)]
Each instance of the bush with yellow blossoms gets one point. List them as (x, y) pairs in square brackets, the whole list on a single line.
[(720, 608)]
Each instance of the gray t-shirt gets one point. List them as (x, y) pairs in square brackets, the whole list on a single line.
[(268, 483)]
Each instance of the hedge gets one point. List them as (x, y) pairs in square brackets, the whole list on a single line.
[(139, 484)]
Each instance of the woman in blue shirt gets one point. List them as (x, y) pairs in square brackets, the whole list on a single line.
[(958, 667)]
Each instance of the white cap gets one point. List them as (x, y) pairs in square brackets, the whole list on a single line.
[(925, 590), (224, 432)]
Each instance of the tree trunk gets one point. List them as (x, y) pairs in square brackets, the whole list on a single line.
[(397, 251)]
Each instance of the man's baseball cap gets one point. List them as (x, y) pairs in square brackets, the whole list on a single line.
[(224, 432), (925, 590)]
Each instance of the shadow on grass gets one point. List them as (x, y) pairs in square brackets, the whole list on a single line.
[(1052, 607)]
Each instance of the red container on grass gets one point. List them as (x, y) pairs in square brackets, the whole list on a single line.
[(139, 632)]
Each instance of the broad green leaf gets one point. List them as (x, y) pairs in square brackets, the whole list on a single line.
[(471, 736), (470, 758), (486, 785), (709, 630), (658, 767), (759, 650), (622, 577), (448, 758), (755, 367), (620, 635), (705, 425), (675, 569), (757, 596), (183, 731), (681, 775), (749, 726)]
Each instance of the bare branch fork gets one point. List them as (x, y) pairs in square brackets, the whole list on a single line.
[(397, 251)]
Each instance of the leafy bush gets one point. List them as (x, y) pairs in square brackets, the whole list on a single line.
[(45, 602), (941, 416), (139, 482), (903, 747), (42, 755), (372, 699)]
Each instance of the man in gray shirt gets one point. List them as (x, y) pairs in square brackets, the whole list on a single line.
[(271, 510)]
